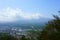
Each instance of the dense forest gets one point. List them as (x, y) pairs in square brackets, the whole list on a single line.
[(51, 31)]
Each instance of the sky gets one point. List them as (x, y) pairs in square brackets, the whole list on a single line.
[(11, 10)]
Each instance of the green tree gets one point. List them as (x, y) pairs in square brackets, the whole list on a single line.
[(51, 30), (6, 36), (23, 38)]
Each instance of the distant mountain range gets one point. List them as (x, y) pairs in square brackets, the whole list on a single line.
[(25, 24)]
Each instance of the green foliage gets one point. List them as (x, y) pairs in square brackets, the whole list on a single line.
[(6, 36), (23, 38), (51, 30)]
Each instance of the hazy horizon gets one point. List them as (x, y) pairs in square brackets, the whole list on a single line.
[(12, 10)]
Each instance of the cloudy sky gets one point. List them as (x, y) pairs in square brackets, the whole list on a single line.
[(11, 10)]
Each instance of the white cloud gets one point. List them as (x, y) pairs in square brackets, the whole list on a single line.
[(10, 14)]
